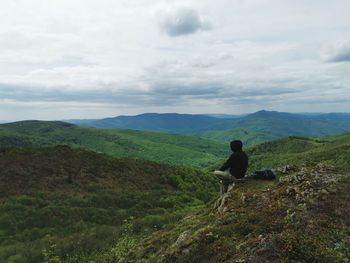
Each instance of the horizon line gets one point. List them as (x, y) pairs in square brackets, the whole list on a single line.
[(164, 113)]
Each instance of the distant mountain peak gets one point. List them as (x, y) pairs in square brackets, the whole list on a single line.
[(268, 112), (264, 113)]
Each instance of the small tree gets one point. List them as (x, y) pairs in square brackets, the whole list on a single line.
[(49, 254)]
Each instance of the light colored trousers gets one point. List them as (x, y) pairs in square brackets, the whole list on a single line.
[(226, 179)]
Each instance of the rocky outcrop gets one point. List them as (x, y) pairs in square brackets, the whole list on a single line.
[(300, 201), (222, 202), (301, 217)]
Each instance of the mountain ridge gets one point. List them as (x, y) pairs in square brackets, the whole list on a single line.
[(266, 124), (169, 122)]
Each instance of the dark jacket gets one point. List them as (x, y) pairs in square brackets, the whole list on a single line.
[(238, 164)]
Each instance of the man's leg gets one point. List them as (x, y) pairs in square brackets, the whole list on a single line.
[(224, 186), (223, 175), (226, 179)]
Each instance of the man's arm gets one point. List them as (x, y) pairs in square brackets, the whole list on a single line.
[(227, 164)]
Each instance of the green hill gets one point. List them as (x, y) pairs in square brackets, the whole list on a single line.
[(294, 150), (264, 126), (248, 137), (333, 150), (301, 217), (284, 124), (156, 146), (81, 199)]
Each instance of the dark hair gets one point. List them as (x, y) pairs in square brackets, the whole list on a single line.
[(236, 145)]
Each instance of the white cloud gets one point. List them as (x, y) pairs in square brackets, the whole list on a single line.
[(177, 21), (340, 52)]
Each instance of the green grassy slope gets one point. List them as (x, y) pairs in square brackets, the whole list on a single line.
[(81, 198), (248, 137), (161, 147), (334, 150)]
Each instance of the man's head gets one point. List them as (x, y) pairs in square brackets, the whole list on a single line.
[(236, 145)]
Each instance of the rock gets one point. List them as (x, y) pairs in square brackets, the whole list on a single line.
[(221, 204), (182, 239), (311, 201), (185, 252), (324, 192), (243, 198), (302, 207), (332, 190)]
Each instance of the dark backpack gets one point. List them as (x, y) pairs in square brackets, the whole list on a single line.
[(266, 174)]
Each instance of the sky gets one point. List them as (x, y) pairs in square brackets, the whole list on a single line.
[(65, 59)]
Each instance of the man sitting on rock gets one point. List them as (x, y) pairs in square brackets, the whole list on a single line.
[(234, 168)]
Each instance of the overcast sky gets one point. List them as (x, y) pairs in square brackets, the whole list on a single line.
[(63, 59)]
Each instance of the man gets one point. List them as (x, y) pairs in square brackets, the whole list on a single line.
[(234, 168)]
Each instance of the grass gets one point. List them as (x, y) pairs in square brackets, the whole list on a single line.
[(247, 136), (333, 150)]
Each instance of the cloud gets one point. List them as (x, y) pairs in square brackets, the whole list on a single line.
[(181, 21), (111, 54), (176, 90), (341, 53)]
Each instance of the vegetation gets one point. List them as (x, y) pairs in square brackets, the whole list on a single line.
[(71, 203), (294, 150), (302, 221), (303, 218), (61, 201), (252, 129), (333, 150), (264, 126), (248, 137), (168, 122), (154, 146)]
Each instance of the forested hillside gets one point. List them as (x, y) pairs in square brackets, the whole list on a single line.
[(79, 200), (156, 146), (332, 150), (265, 126)]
